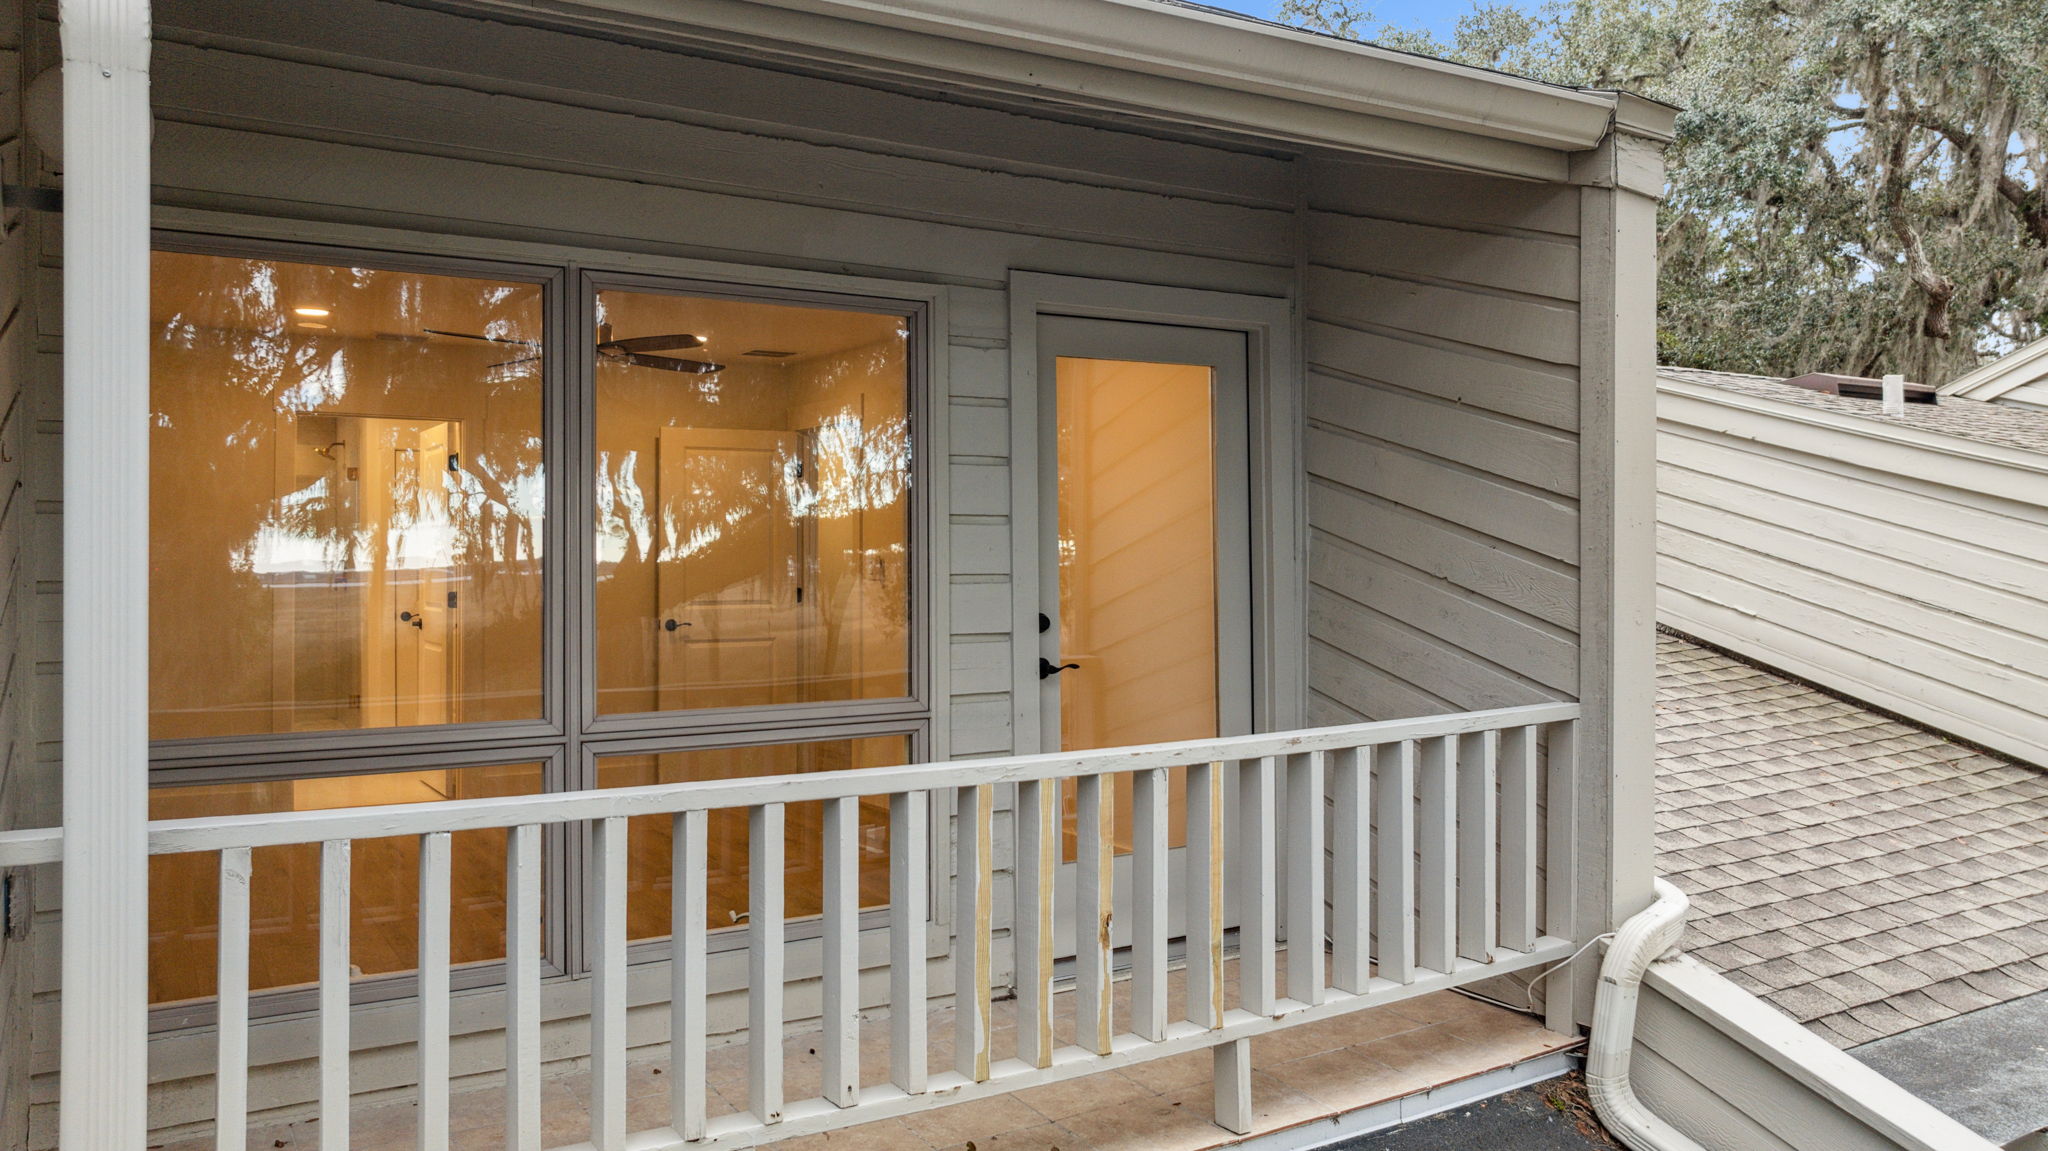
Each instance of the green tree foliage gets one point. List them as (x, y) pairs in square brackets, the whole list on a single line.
[(1857, 185)]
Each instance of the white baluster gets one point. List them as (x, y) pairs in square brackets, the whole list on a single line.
[(608, 988), (522, 988), (1094, 903), (689, 912), (334, 994), (765, 945), (1519, 838), (1351, 870), (841, 1025), (909, 909), (1148, 903), (1394, 791), (1205, 882), (1038, 843), (1437, 918), (1478, 898), (231, 1056), (1305, 864), (435, 866), (1257, 877), (973, 909)]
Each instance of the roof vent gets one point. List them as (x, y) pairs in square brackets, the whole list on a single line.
[(769, 354), (1858, 387)]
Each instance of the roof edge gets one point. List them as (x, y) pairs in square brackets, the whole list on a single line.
[(1866, 427), (1989, 381), (1186, 44)]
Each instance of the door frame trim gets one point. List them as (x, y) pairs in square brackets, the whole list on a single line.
[(1279, 662)]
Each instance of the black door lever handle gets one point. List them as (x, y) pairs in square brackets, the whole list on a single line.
[(1047, 669)]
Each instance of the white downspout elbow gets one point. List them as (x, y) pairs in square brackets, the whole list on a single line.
[(1645, 937)]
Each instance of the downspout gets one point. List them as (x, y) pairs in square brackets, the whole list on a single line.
[(1647, 936)]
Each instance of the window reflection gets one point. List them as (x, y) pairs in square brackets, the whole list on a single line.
[(284, 892), (649, 870), (346, 498), (753, 466)]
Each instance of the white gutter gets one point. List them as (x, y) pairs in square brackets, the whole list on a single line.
[(1647, 936)]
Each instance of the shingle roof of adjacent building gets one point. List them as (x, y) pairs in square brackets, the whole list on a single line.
[(1985, 423), (1864, 876)]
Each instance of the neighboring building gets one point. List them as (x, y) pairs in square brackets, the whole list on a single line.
[(2018, 379), (1895, 559), (502, 491)]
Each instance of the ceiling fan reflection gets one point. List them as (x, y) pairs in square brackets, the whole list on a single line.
[(638, 351)]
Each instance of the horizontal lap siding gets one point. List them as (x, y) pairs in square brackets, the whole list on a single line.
[(1915, 590), (360, 112), (20, 562), (1442, 395), (1691, 1074)]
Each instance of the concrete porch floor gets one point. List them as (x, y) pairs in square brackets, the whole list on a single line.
[(1300, 1075)]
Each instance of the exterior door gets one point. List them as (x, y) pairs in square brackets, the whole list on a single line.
[(1145, 548)]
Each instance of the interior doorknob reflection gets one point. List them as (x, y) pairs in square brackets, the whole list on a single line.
[(671, 624), (411, 618)]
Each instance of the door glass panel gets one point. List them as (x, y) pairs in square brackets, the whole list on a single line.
[(284, 895), (345, 498), (753, 471), (1137, 562), (648, 886)]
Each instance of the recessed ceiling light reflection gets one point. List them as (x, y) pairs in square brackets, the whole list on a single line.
[(311, 313)]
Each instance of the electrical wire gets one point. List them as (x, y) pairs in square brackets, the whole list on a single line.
[(1530, 990)]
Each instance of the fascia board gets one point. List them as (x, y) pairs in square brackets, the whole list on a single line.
[(1287, 84), (1896, 1115), (2014, 370), (1967, 464)]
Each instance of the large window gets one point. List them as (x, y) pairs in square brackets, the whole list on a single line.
[(346, 498), (753, 523), (373, 579)]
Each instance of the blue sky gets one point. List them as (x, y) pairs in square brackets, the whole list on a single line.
[(1439, 16)]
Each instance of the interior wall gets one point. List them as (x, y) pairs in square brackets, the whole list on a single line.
[(359, 112)]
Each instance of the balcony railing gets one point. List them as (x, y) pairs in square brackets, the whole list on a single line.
[(1411, 862)]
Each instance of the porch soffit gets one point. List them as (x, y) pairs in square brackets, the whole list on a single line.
[(1169, 65)]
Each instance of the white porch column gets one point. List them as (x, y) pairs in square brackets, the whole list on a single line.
[(1622, 180), (106, 541)]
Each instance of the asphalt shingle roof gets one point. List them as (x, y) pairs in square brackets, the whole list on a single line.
[(1997, 424), (1864, 876)]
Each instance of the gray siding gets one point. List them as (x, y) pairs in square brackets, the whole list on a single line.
[(365, 113), (1729, 1071), (1440, 335), (1441, 344), (18, 769), (1871, 564)]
